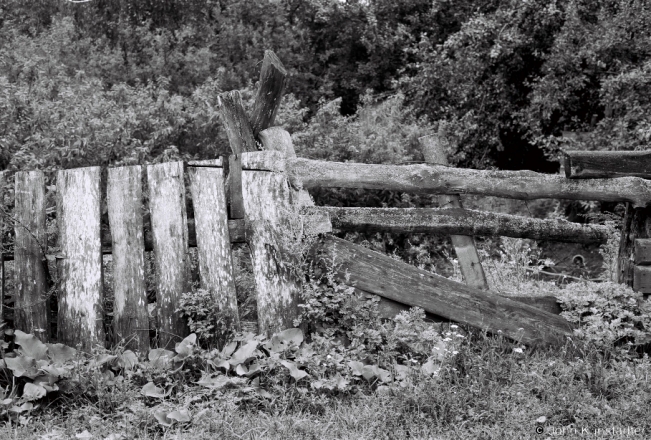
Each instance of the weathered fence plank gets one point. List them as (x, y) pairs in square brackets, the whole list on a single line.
[(213, 242), (170, 239), (124, 200), (270, 92), (272, 241), (31, 303), (464, 245), (460, 221), (526, 185), (636, 225), (80, 314), (382, 275), (642, 251), (600, 164), (3, 182), (241, 139)]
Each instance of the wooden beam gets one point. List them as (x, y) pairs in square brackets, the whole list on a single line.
[(382, 275), (270, 92), (526, 185), (459, 221), (643, 251), (642, 279), (464, 245), (636, 225), (241, 139), (80, 296), (32, 305), (600, 164), (124, 204)]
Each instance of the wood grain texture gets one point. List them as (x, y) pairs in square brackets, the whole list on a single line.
[(3, 183), (526, 185), (636, 225), (213, 242), (464, 245), (600, 164), (32, 305), (642, 251), (236, 123), (382, 275), (642, 279), (80, 315), (459, 221), (124, 200), (235, 199), (170, 237), (269, 212), (270, 92)]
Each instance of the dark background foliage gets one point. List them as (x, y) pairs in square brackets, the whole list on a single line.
[(513, 82)]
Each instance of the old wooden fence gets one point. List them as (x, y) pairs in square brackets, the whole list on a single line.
[(258, 195)]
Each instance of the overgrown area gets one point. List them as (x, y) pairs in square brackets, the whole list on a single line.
[(344, 372), (509, 83)]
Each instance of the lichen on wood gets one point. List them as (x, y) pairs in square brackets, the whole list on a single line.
[(80, 315)]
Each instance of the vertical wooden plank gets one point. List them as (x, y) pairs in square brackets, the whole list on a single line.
[(31, 304), (464, 246), (170, 235), (213, 241), (80, 319), (3, 182), (124, 200), (636, 225), (269, 215)]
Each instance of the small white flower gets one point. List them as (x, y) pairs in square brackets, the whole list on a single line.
[(455, 352), (517, 350), (454, 326)]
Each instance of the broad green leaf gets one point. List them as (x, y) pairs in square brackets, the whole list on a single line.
[(151, 390), (228, 350), (31, 346), (185, 347), (22, 366), (33, 392), (219, 382), (341, 383), (103, 359), (27, 406), (161, 358), (161, 416), (357, 368), (241, 370), (128, 360), (370, 372), (293, 370), (181, 415), (60, 354), (244, 353)]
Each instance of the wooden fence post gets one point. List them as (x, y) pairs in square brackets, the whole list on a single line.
[(80, 319), (2, 248), (170, 234), (124, 200), (636, 227), (213, 240), (464, 246), (31, 306)]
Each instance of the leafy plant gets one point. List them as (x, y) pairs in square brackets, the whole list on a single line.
[(205, 318)]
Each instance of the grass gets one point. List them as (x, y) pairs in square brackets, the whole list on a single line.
[(487, 387)]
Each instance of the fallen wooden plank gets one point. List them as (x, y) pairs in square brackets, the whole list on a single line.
[(124, 204), (464, 244), (80, 314), (382, 275), (459, 221), (32, 306), (600, 164), (526, 185)]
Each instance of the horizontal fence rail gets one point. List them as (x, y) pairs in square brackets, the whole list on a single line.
[(436, 179), (460, 221)]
